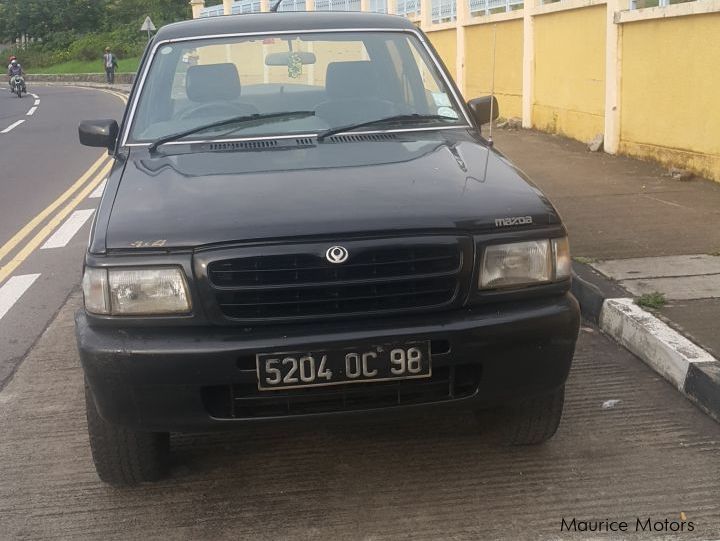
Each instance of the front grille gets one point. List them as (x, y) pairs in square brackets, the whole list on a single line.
[(242, 401), (300, 283)]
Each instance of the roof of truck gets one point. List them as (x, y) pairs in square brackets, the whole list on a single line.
[(281, 22)]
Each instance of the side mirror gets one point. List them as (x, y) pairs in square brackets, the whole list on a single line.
[(98, 133), (481, 109)]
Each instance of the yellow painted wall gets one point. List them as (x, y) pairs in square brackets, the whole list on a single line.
[(569, 94), (671, 92), (508, 64), (445, 42)]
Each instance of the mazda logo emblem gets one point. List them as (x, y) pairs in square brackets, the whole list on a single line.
[(336, 254)]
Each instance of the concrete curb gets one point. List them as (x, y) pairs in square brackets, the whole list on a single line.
[(120, 78), (591, 289), (122, 89), (690, 369)]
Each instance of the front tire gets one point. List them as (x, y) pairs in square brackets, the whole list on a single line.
[(533, 421), (125, 457)]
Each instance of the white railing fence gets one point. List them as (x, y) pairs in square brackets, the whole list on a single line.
[(408, 7), (291, 5), (337, 5), (212, 11), (442, 11), (246, 6), (638, 4), (489, 7), (377, 6)]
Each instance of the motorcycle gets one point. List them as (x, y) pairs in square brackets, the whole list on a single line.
[(17, 85)]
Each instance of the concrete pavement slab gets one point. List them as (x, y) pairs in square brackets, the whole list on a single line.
[(628, 447), (657, 267), (677, 288), (696, 319), (634, 218), (616, 207), (677, 277)]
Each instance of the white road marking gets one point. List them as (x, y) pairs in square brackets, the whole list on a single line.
[(99, 190), (35, 96), (13, 125), (67, 230), (31, 111), (36, 103), (13, 290)]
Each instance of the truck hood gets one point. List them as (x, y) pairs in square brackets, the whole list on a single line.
[(443, 181)]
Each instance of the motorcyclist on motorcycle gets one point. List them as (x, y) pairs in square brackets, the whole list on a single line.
[(14, 70)]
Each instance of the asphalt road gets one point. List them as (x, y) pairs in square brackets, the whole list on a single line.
[(41, 161)]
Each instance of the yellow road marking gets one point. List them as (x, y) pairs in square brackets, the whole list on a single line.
[(32, 224), (41, 235), (122, 97)]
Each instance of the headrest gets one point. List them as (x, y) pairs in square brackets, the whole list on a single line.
[(212, 82), (351, 80)]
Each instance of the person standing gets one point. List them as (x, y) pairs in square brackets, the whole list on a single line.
[(110, 63)]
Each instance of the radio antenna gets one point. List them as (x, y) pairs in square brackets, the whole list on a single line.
[(492, 85)]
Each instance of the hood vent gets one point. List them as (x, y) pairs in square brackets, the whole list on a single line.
[(260, 144), (298, 142), (362, 137), (243, 145)]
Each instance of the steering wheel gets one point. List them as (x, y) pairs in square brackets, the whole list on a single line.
[(217, 108)]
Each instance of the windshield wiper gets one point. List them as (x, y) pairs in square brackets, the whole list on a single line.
[(387, 120), (244, 119)]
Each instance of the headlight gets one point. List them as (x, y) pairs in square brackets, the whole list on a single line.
[(524, 263), (561, 253), (95, 291), (136, 291)]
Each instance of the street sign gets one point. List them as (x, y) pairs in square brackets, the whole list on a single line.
[(148, 25)]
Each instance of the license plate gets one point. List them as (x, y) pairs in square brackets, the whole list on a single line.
[(291, 370)]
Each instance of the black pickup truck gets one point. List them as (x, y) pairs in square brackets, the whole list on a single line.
[(303, 219)]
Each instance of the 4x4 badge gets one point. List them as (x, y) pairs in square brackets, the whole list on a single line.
[(336, 254)]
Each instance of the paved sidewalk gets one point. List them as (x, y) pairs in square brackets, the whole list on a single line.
[(655, 237), (617, 207)]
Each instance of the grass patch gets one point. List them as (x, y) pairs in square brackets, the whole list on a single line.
[(652, 300), (585, 260), (125, 65), (716, 253)]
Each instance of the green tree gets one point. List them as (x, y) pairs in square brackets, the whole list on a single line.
[(44, 18), (62, 30), (134, 11)]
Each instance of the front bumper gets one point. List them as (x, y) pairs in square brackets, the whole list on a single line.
[(169, 379)]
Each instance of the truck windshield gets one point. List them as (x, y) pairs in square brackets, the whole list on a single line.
[(345, 78)]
